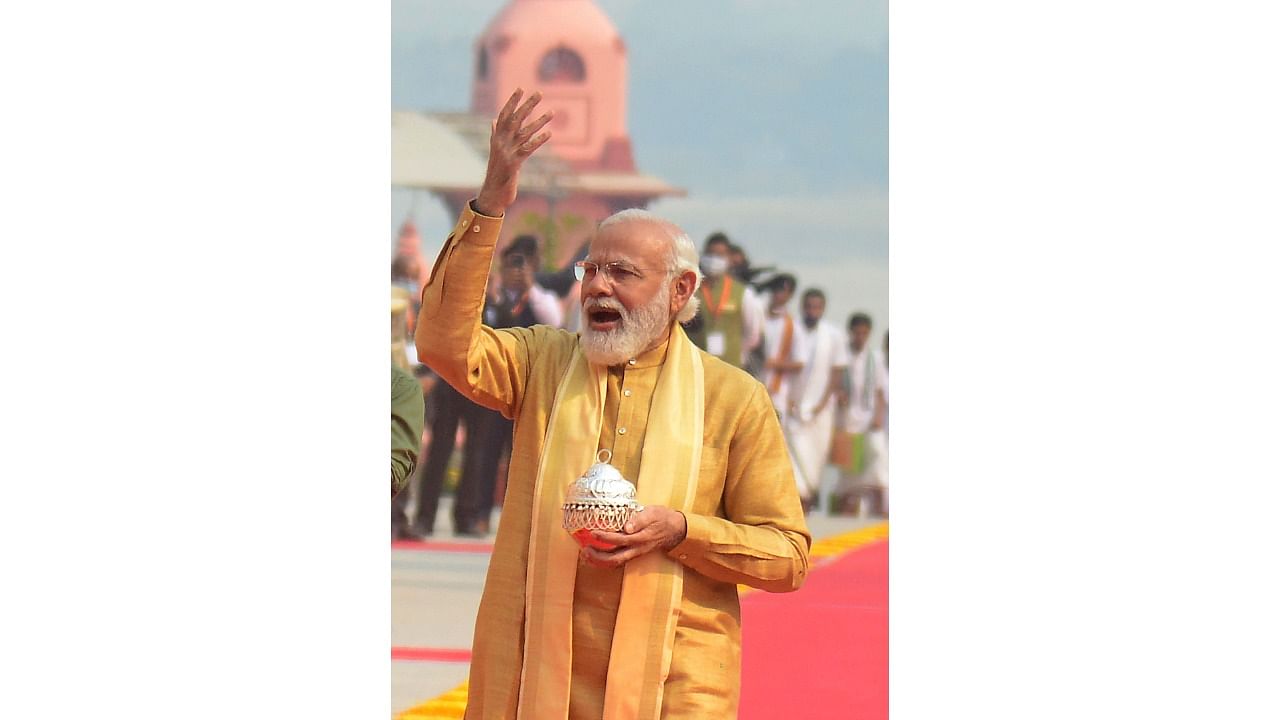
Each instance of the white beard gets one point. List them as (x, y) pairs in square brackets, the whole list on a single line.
[(635, 332)]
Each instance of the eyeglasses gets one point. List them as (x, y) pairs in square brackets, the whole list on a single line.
[(619, 273)]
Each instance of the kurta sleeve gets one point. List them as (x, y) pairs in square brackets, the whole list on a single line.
[(486, 365), (406, 426), (762, 541)]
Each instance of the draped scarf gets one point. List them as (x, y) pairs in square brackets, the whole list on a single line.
[(652, 584)]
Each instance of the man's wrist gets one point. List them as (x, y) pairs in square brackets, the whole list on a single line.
[(484, 207), (683, 524)]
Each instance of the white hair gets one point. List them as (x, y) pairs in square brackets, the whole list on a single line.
[(682, 258)]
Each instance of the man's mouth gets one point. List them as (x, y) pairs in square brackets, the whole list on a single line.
[(603, 320)]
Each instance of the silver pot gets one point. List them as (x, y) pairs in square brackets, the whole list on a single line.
[(599, 500)]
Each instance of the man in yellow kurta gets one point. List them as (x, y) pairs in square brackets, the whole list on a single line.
[(649, 629)]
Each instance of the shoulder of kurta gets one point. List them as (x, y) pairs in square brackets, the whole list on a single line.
[(551, 338), (718, 371), (549, 347), (723, 382)]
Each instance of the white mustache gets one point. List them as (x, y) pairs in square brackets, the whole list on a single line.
[(605, 304)]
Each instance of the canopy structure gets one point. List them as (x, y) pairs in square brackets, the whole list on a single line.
[(446, 153)]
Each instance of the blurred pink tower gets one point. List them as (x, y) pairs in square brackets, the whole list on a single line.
[(573, 54), (570, 51)]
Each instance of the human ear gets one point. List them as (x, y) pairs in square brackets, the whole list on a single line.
[(682, 290)]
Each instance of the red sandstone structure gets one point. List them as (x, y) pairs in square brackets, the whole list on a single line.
[(570, 51)]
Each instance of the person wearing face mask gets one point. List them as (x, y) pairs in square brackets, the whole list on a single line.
[(731, 316), (814, 392)]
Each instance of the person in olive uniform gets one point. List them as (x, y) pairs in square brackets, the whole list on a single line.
[(407, 415), (731, 317)]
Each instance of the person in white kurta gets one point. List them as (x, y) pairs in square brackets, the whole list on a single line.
[(783, 358), (782, 361), (864, 410), (811, 410)]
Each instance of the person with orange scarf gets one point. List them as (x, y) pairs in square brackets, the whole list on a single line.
[(650, 628), (782, 359), (730, 317)]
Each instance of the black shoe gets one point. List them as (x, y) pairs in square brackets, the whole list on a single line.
[(410, 534)]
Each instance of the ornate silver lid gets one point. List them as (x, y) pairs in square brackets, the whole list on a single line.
[(602, 483), (602, 499)]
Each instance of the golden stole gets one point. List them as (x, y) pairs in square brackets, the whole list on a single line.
[(652, 584)]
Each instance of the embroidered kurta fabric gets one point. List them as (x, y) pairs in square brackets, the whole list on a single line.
[(746, 524)]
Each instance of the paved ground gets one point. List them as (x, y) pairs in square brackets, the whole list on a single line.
[(435, 594)]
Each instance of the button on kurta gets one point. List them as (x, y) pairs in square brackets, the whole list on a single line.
[(622, 431), (632, 361), (626, 393)]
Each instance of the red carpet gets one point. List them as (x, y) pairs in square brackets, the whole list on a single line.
[(821, 652), (442, 546), (430, 654)]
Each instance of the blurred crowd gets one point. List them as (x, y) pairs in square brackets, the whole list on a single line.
[(829, 384)]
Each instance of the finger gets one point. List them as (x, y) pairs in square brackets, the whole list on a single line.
[(526, 108), (591, 556), (601, 558), (528, 130), (597, 563), (642, 520), (612, 538), (509, 108), (527, 148), (612, 558), (642, 527), (651, 533), (625, 555)]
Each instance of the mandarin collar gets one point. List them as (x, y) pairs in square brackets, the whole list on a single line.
[(648, 359)]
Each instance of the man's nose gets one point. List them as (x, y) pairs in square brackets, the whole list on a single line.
[(597, 286)]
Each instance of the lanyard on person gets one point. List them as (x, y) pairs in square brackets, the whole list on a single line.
[(519, 306), (724, 297)]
